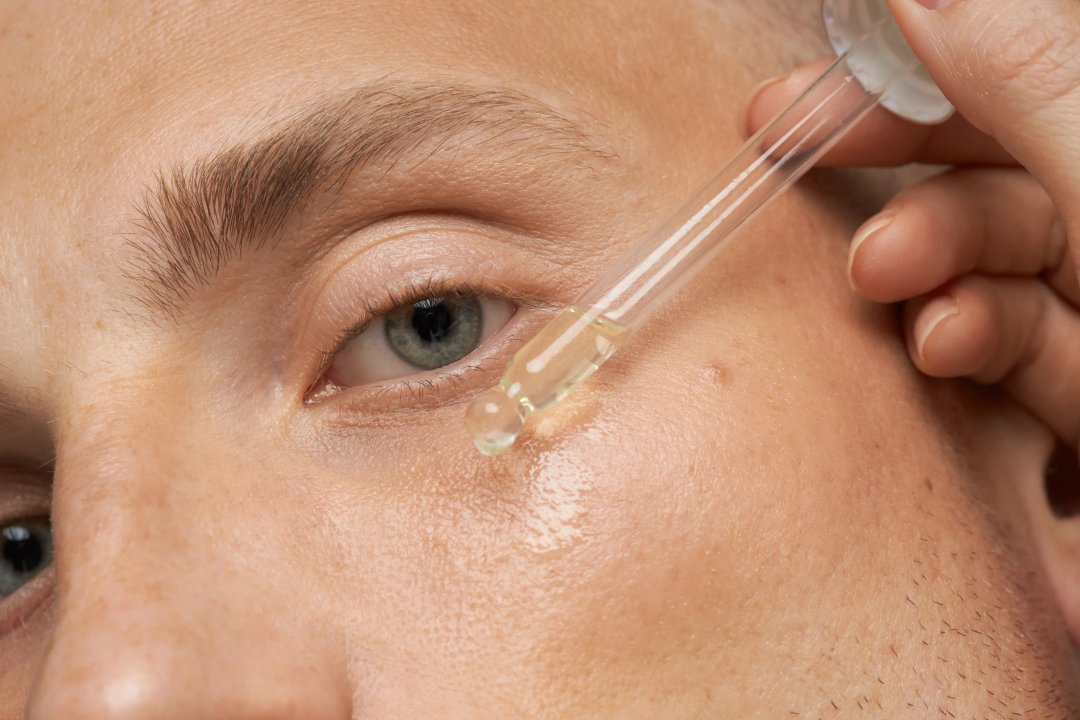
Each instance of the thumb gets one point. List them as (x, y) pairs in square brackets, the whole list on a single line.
[(1012, 68)]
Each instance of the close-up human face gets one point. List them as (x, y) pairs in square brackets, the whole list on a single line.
[(257, 258)]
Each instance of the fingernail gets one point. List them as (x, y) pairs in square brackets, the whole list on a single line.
[(933, 4), (937, 310), (870, 227), (758, 89)]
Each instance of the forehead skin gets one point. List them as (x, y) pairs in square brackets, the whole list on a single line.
[(740, 517)]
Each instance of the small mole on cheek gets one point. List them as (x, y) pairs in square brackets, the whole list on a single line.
[(719, 374)]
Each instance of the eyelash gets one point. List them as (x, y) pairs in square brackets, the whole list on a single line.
[(414, 391)]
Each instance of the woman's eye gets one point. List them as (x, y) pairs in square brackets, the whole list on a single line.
[(27, 550), (424, 335)]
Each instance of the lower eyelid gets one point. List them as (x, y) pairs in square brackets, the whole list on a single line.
[(17, 608)]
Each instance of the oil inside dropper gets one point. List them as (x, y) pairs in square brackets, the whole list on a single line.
[(568, 350)]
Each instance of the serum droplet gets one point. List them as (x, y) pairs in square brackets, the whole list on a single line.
[(494, 420)]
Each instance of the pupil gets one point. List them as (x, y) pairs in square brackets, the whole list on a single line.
[(22, 550), (432, 321)]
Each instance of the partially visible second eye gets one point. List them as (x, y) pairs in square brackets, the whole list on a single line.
[(26, 548), (424, 335)]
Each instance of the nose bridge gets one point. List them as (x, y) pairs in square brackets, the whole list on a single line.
[(135, 496), (170, 604)]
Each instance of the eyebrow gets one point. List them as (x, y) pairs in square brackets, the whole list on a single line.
[(197, 218)]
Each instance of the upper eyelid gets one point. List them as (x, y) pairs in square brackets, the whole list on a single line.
[(19, 463), (24, 496)]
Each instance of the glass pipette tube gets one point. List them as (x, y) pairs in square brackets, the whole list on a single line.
[(585, 334)]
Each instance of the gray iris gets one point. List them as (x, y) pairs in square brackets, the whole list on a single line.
[(435, 332), (27, 550)]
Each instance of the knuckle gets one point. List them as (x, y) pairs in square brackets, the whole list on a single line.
[(1038, 60)]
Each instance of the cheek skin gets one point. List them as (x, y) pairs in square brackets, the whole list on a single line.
[(20, 653), (695, 538)]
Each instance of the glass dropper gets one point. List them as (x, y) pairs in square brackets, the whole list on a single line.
[(585, 334)]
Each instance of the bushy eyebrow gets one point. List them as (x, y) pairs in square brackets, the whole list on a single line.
[(197, 218)]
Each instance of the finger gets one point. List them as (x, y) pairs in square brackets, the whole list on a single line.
[(1016, 332), (882, 138), (1013, 70), (996, 222)]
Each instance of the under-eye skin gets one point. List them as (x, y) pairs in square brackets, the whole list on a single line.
[(25, 551)]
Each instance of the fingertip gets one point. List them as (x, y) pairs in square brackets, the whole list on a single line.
[(886, 261), (860, 276), (951, 336), (762, 104), (929, 327), (771, 96)]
